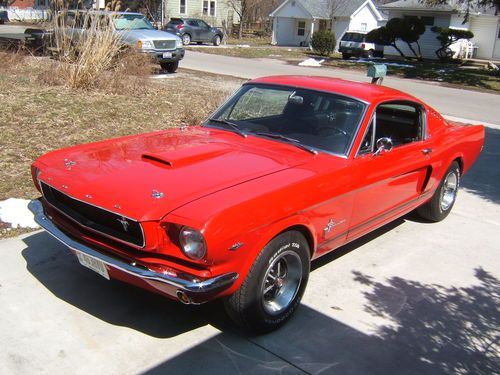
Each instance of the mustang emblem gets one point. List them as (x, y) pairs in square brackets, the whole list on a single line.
[(124, 222)]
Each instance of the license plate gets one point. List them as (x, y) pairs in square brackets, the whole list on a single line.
[(167, 55), (93, 264)]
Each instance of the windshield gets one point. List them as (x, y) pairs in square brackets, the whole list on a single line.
[(132, 22), (353, 37), (319, 120)]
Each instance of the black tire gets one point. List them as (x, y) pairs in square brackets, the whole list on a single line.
[(170, 67), (186, 39), (444, 197), (346, 56), (369, 54), (216, 41), (273, 288)]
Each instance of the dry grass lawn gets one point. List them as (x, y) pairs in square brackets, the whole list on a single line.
[(36, 117)]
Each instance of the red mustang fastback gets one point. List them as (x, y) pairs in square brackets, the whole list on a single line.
[(288, 169)]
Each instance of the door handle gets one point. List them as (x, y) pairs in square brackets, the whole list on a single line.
[(427, 151)]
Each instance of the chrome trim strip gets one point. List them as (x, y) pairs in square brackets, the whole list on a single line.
[(205, 286), (92, 229)]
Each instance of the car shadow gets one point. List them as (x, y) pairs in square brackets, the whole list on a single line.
[(435, 330), (483, 179), (114, 302), (117, 303)]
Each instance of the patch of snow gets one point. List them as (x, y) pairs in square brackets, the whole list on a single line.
[(242, 46), (15, 212), (311, 62)]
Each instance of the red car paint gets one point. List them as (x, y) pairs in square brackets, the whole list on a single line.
[(245, 191)]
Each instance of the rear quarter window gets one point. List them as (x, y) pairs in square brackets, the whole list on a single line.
[(354, 37)]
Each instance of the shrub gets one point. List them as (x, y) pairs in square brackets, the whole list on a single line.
[(86, 57), (446, 38), (323, 42)]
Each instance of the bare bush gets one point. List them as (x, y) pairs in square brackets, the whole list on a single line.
[(85, 56)]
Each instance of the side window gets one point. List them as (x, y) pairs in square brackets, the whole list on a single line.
[(402, 122), (192, 23), (203, 24)]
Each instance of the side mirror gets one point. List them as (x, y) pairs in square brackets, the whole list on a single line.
[(383, 145)]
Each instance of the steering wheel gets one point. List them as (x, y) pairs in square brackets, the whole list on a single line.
[(323, 130)]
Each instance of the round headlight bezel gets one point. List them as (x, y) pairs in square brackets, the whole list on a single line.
[(192, 243)]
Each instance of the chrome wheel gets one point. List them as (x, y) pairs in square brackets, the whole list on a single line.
[(186, 39), (448, 191), (281, 282)]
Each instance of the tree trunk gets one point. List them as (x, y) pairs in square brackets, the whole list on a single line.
[(400, 52), (413, 50)]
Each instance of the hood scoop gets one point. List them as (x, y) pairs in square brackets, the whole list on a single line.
[(186, 156)]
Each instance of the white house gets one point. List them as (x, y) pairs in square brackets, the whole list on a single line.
[(482, 22), (295, 21)]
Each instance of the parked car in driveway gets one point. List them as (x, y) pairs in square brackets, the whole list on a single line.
[(134, 30), (194, 30), (353, 43), (290, 168)]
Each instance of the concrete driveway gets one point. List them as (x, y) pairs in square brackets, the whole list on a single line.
[(460, 103), (412, 298)]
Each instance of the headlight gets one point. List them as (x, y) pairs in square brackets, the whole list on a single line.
[(144, 44), (192, 243), (178, 43)]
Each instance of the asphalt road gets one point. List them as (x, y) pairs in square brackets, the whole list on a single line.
[(412, 298), (448, 101)]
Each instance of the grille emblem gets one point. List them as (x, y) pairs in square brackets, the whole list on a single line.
[(125, 224)]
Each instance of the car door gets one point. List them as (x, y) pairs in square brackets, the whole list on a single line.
[(194, 30), (390, 181), (205, 32)]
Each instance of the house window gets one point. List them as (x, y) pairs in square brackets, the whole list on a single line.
[(209, 8), (301, 31), (182, 6), (363, 27)]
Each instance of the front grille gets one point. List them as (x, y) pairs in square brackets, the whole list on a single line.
[(164, 44), (95, 218)]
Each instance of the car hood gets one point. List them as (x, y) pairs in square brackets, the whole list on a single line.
[(145, 177), (134, 35)]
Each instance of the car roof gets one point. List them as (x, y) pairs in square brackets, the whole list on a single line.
[(366, 92)]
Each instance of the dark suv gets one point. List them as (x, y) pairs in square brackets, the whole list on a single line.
[(194, 30)]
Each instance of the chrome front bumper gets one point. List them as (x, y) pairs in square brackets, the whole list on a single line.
[(192, 288)]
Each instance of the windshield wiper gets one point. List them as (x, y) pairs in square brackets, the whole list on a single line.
[(232, 125), (292, 141)]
